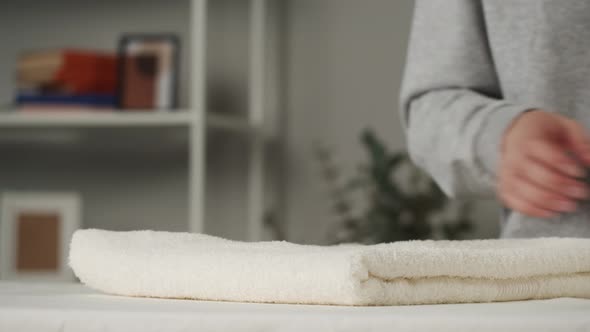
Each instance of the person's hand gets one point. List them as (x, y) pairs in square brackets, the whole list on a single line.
[(543, 161)]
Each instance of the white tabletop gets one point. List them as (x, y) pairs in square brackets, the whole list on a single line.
[(72, 307)]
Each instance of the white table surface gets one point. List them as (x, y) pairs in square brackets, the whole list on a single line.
[(73, 307)]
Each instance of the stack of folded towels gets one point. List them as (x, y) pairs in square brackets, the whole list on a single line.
[(197, 266)]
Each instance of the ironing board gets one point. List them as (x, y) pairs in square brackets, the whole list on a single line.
[(73, 307)]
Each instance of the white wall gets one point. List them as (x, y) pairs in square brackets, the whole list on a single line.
[(344, 62)]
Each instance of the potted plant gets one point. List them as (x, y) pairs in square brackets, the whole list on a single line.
[(402, 202)]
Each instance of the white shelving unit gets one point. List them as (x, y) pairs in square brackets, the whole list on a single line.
[(93, 119), (194, 119), (254, 123), (122, 119)]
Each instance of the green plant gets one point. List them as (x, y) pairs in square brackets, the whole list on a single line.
[(401, 201)]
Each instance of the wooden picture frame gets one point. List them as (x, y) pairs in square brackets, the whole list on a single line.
[(35, 233), (148, 72)]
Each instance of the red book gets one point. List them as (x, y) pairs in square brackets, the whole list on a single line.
[(69, 71)]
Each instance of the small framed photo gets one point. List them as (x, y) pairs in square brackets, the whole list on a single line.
[(35, 232), (148, 71)]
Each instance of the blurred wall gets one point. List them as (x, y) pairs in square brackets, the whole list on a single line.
[(343, 66)]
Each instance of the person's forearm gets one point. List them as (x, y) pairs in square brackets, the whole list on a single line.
[(455, 135), (451, 99)]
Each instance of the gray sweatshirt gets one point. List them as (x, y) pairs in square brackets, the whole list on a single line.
[(472, 67)]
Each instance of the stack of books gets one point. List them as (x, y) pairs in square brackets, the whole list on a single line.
[(66, 80)]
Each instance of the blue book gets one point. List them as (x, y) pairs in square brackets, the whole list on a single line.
[(95, 100)]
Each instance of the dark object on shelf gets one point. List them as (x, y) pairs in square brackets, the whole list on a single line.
[(33, 101), (402, 201), (148, 72)]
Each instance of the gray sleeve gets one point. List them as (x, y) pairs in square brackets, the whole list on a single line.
[(451, 100)]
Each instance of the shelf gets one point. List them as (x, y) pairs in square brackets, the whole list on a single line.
[(117, 119), (92, 119)]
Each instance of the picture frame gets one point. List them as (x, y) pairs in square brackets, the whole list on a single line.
[(35, 232), (148, 72)]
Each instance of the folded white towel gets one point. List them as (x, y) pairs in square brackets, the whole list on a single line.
[(196, 266)]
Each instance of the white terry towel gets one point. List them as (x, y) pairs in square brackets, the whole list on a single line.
[(196, 266)]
